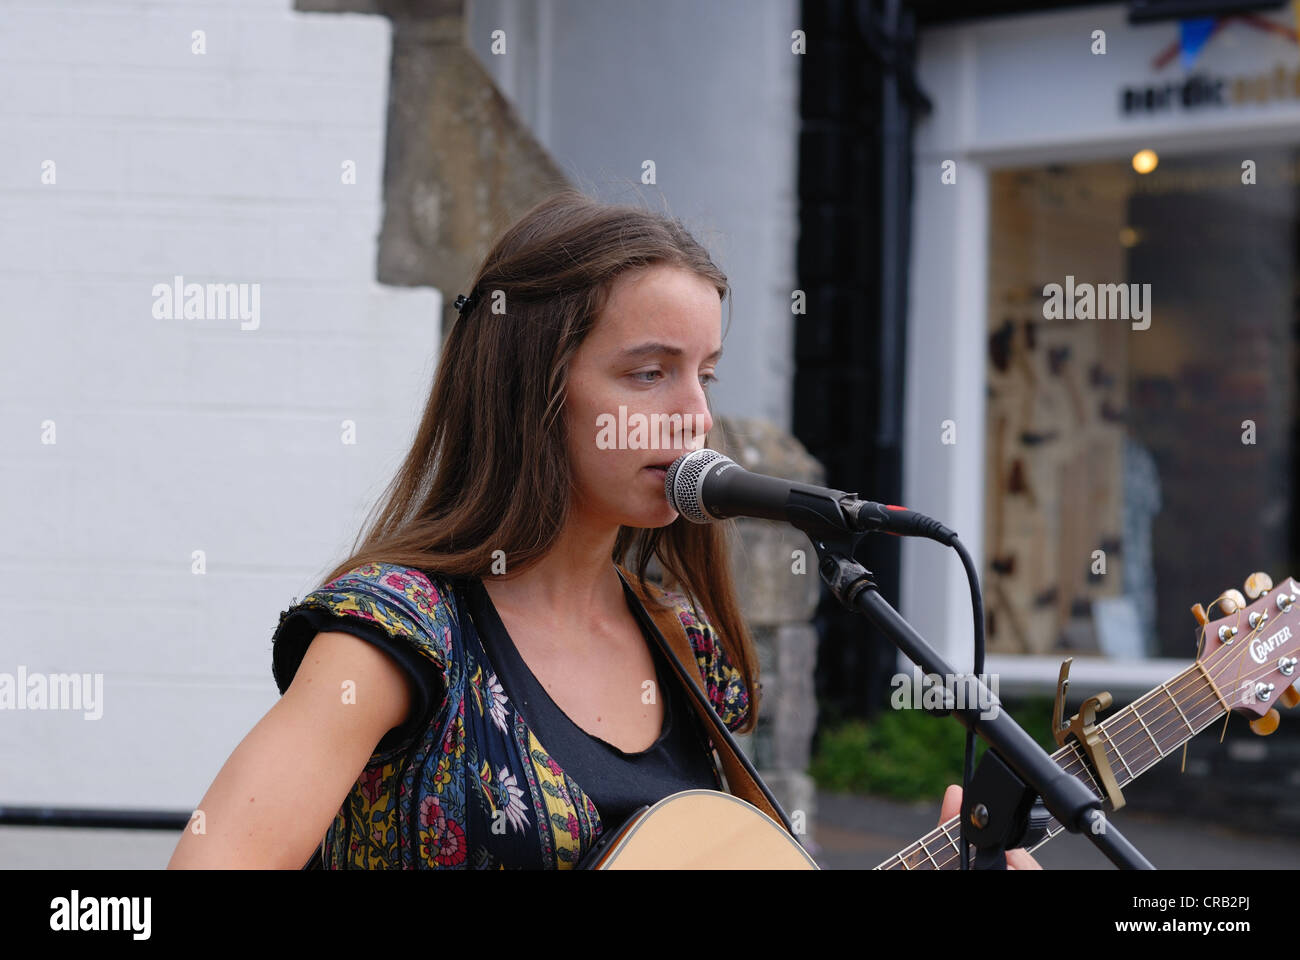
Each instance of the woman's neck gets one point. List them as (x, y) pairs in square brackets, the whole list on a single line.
[(575, 580)]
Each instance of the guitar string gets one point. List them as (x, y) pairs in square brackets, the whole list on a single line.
[(1238, 654), (1071, 760), (1144, 755), (1076, 758), (1215, 697), (920, 846)]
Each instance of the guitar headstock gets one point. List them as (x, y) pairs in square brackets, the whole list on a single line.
[(1252, 651)]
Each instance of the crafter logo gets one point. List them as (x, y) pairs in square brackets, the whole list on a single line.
[(1260, 649)]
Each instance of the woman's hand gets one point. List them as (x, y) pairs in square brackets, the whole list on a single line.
[(1018, 859)]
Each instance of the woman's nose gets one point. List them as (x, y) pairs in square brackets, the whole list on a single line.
[(700, 418)]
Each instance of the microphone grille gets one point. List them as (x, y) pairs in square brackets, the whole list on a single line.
[(683, 482)]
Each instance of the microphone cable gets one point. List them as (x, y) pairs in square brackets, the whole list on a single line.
[(977, 612)]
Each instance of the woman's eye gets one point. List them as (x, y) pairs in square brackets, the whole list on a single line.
[(707, 379)]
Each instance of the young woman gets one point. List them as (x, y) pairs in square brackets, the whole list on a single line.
[(473, 687)]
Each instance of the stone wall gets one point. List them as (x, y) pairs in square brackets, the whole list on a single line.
[(460, 165)]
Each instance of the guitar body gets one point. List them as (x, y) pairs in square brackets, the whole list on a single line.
[(699, 830)]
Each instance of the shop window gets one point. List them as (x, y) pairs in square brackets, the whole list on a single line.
[(1141, 429)]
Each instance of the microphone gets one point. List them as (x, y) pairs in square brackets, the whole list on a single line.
[(704, 486)]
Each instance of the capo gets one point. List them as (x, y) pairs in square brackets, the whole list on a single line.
[(1083, 726)]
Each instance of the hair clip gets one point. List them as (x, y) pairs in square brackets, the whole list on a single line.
[(464, 303)]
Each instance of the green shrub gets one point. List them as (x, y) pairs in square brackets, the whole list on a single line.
[(909, 754)]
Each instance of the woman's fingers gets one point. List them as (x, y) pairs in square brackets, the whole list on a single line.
[(1018, 859), (951, 805)]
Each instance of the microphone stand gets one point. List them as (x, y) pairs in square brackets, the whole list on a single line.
[(1015, 770)]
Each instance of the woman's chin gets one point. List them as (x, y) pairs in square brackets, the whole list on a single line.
[(653, 519)]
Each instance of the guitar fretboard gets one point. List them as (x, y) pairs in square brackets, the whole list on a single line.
[(1135, 739)]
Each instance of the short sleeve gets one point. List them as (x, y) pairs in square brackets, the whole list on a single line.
[(426, 681), (723, 682), (399, 610)]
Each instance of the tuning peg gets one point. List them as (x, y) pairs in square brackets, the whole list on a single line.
[(1230, 601), (1258, 584), (1198, 612), (1267, 723), (1290, 697)]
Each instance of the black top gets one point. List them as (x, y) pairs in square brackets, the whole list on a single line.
[(618, 783)]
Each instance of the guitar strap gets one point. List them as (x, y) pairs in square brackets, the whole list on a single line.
[(738, 774)]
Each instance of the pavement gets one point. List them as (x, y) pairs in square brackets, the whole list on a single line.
[(850, 833), (855, 833)]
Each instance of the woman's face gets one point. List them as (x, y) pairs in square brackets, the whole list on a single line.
[(637, 392)]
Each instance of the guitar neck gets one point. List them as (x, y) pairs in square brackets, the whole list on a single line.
[(1135, 740)]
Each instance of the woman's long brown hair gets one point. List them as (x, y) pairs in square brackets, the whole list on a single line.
[(488, 470)]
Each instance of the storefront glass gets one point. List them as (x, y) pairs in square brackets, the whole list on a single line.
[(1142, 423)]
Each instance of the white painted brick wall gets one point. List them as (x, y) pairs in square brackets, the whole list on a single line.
[(180, 435)]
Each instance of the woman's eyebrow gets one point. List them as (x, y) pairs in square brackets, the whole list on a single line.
[(651, 349)]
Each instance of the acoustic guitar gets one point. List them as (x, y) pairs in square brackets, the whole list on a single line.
[(1247, 663)]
